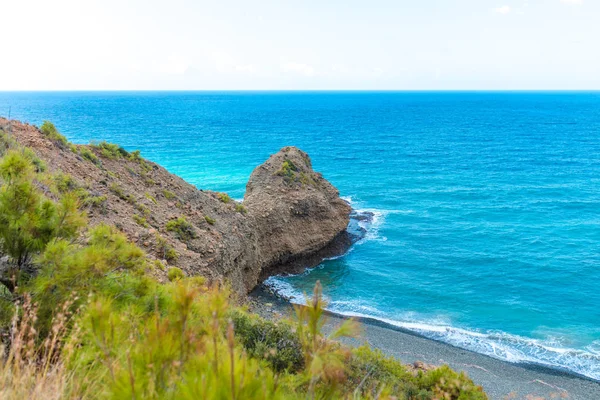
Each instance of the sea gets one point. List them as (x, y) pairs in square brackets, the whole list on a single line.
[(482, 225)]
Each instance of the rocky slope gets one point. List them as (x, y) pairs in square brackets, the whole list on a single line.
[(289, 215)]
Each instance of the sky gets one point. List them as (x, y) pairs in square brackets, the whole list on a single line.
[(300, 45)]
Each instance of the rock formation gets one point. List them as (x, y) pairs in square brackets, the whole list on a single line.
[(290, 214), (297, 213)]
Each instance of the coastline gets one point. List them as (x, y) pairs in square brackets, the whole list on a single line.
[(500, 379)]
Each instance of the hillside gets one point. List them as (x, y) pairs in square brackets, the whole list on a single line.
[(289, 213), (83, 317)]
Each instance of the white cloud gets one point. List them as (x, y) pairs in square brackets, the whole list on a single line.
[(299, 68), (576, 2), (502, 10)]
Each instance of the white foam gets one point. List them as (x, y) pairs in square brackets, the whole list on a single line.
[(372, 225), (504, 346), (285, 290), (497, 344), (347, 199)]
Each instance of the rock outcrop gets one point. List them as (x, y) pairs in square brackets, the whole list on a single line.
[(297, 213), (290, 215)]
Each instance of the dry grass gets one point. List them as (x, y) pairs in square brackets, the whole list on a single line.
[(33, 370)]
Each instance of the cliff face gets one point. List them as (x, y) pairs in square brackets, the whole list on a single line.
[(289, 213), (297, 213)]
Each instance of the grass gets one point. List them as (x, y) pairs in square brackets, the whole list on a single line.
[(35, 372)]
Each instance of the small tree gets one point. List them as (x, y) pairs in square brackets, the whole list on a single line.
[(28, 219)]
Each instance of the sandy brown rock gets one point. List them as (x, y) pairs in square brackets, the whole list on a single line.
[(296, 211), (282, 218)]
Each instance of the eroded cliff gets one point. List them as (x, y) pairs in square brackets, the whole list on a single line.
[(289, 214)]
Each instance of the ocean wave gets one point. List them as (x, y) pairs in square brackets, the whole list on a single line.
[(369, 220), (496, 344)]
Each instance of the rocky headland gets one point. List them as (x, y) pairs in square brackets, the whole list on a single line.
[(290, 218)]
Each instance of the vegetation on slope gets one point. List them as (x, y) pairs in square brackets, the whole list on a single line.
[(83, 318)]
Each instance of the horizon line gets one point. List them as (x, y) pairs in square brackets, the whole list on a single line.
[(293, 90)]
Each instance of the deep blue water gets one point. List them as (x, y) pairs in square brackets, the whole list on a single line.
[(487, 205)]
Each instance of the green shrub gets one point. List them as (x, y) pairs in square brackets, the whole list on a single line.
[(305, 179), (145, 167), (150, 197), (159, 265), (120, 193), (165, 250), (171, 255), (209, 220), (443, 382), (240, 208), (64, 183), (88, 155), (50, 131), (40, 165), (168, 194), (7, 142), (117, 190), (288, 169), (135, 155), (291, 173), (182, 229), (370, 369), (107, 263), (224, 197), (110, 150), (175, 274), (143, 209), (95, 201), (186, 349), (373, 369), (276, 342), (140, 220)]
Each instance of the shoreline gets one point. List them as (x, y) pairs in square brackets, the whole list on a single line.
[(499, 378)]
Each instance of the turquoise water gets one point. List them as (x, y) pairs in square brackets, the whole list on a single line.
[(486, 229)]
